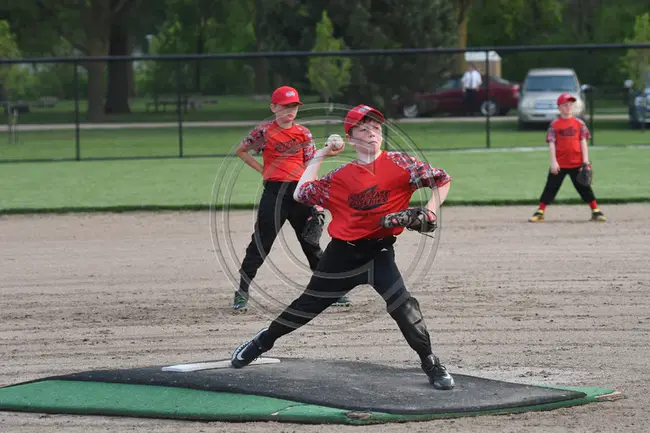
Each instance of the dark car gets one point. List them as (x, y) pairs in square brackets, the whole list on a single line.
[(638, 102), (448, 99)]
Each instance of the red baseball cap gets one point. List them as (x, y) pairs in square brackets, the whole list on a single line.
[(565, 97), (357, 114), (285, 95)]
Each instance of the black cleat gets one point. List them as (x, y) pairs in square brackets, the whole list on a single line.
[(248, 351), (597, 215), (240, 304), (439, 377)]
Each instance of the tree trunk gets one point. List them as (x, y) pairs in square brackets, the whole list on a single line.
[(130, 72), (463, 16), (278, 80), (97, 28), (261, 76), (261, 64), (95, 90), (462, 43), (200, 43), (117, 96)]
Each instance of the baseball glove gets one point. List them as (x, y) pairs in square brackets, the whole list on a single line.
[(413, 218), (313, 229), (585, 175)]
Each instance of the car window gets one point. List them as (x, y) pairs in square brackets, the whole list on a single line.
[(452, 83), (551, 83)]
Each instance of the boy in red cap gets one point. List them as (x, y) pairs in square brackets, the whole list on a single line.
[(358, 194), (286, 148), (567, 142)]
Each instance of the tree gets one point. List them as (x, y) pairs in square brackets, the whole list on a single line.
[(9, 74), (462, 17), (551, 22), (202, 27), (328, 75), (388, 24), (87, 26), (636, 62), (120, 74), (284, 25)]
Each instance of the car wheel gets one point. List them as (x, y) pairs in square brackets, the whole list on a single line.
[(490, 107), (411, 111)]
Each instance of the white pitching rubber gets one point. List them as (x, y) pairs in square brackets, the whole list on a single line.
[(213, 365)]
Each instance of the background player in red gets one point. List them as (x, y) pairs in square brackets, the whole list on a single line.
[(286, 148), (567, 142), (358, 194)]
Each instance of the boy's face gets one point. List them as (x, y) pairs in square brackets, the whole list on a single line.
[(367, 136), (566, 109), (285, 113)]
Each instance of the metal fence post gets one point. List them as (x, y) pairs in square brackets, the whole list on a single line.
[(487, 86), (77, 142), (180, 108)]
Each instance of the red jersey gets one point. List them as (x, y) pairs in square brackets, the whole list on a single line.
[(285, 152), (358, 195), (567, 134)]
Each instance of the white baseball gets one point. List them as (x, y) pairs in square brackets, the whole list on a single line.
[(335, 141)]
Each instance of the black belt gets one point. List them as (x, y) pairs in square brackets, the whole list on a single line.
[(369, 242)]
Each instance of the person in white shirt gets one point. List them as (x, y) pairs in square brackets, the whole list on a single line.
[(471, 82)]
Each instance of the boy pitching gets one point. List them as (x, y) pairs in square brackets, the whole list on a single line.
[(567, 142), (286, 148), (358, 194)]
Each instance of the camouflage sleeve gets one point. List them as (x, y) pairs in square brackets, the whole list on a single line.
[(584, 131), (317, 192), (421, 174), (255, 140), (551, 134), (309, 150)]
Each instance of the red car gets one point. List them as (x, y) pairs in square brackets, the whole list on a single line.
[(448, 99)]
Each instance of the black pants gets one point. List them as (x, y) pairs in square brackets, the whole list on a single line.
[(276, 207), (469, 101), (554, 182), (344, 266)]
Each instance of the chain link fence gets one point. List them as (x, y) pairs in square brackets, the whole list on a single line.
[(185, 106)]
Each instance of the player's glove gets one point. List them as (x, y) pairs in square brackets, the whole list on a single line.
[(313, 229), (417, 219), (585, 175)]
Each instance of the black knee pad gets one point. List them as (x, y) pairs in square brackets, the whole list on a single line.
[(410, 321), (407, 313)]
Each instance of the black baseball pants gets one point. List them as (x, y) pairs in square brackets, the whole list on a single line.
[(469, 101), (343, 266), (554, 182), (277, 205)]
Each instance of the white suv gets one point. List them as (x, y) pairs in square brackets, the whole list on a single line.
[(539, 93)]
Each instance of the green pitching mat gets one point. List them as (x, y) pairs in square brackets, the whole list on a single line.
[(284, 390)]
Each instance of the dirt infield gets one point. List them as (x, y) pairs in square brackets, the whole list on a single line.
[(565, 302)]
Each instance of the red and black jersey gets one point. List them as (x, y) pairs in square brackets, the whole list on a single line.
[(285, 152), (567, 134), (358, 195)]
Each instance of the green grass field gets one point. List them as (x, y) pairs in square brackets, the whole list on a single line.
[(111, 143), (491, 177)]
